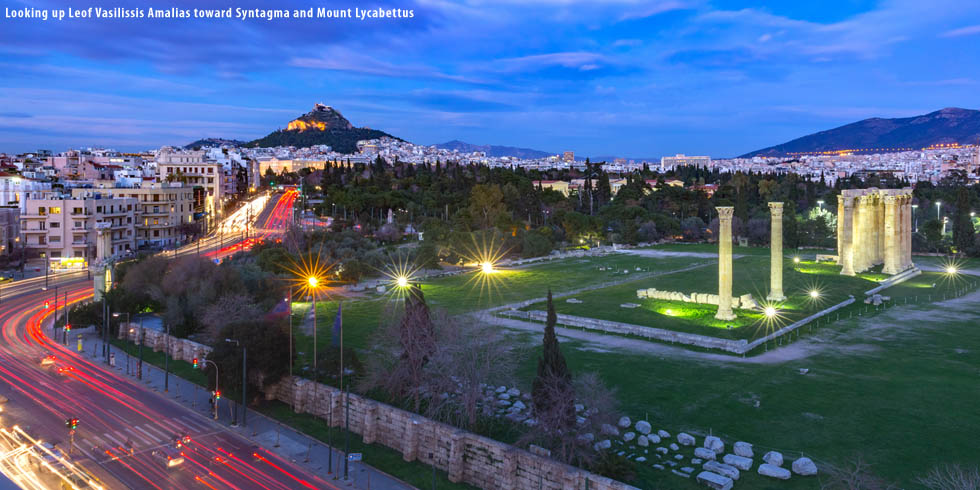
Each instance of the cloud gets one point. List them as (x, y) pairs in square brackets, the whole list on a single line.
[(962, 31), (657, 8), (579, 60)]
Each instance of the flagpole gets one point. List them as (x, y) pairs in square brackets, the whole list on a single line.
[(340, 317)]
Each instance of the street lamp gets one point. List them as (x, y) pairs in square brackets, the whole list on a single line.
[(244, 379), (938, 204), (820, 204)]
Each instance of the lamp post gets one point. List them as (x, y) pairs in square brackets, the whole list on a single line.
[(820, 205), (244, 378), (117, 315), (54, 324), (313, 283), (938, 204)]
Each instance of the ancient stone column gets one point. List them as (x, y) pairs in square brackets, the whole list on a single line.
[(857, 234), (893, 244), (776, 252), (907, 234), (840, 231), (725, 263), (847, 242)]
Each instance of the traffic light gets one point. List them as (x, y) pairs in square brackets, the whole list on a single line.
[(47, 304), (195, 363), (68, 327), (71, 423), (217, 395)]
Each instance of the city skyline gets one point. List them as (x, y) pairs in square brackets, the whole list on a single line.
[(628, 78)]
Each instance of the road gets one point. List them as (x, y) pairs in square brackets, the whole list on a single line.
[(122, 423)]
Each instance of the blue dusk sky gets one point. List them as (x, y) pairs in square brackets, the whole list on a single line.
[(630, 78)]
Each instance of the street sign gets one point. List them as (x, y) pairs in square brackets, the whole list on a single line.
[(354, 457)]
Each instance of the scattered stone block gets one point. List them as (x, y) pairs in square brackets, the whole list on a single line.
[(658, 466), (653, 438), (609, 430), (587, 437), (629, 436), (738, 461), (685, 439), (678, 457), (514, 392), (674, 447), (722, 469), (715, 444), (579, 407), (603, 444), (773, 471), (704, 453), (643, 427), (664, 434), (774, 458), (501, 389), (714, 481), (642, 441), (678, 473), (641, 459), (573, 301), (625, 422), (687, 469), (629, 305), (804, 466), (744, 449), (661, 450), (696, 461)]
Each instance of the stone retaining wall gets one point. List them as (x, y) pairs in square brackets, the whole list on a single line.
[(464, 456), (733, 346)]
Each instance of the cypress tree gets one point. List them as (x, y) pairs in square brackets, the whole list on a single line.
[(553, 376), (963, 232)]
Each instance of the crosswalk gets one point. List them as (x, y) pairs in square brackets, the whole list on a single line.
[(149, 435)]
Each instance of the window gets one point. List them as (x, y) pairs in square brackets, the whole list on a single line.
[(55, 239), (55, 210), (156, 209), (156, 221), (76, 210), (156, 233), (55, 224), (78, 224), (42, 225), (42, 210)]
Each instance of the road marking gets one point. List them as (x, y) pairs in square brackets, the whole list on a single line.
[(149, 436), (174, 428), (138, 436), (109, 437), (192, 422), (161, 435)]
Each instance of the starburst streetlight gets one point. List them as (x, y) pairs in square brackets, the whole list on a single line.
[(951, 269), (770, 311), (486, 267), (796, 260), (814, 294), (401, 281)]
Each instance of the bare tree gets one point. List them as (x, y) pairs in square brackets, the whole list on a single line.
[(572, 443), (853, 475), (468, 356), (234, 308), (951, 477), (402, 349)]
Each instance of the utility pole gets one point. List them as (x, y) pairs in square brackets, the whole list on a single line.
[(347, 433)]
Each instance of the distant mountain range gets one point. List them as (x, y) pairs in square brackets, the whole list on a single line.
[(494, 150), (324, 125), (950, 125)]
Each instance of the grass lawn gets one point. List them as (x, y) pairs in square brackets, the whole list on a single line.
[(898, 388), (475, 291), (750, 276)]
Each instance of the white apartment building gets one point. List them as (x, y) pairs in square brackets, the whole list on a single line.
[(14, 190), (64, 227), (190, 168), (680, 159), (162, 208)]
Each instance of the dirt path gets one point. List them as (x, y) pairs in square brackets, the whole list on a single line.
[(665, 253)]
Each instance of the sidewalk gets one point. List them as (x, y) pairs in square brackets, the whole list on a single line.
[(279, 439)]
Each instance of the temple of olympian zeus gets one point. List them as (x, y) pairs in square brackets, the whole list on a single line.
[(874, 226)]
